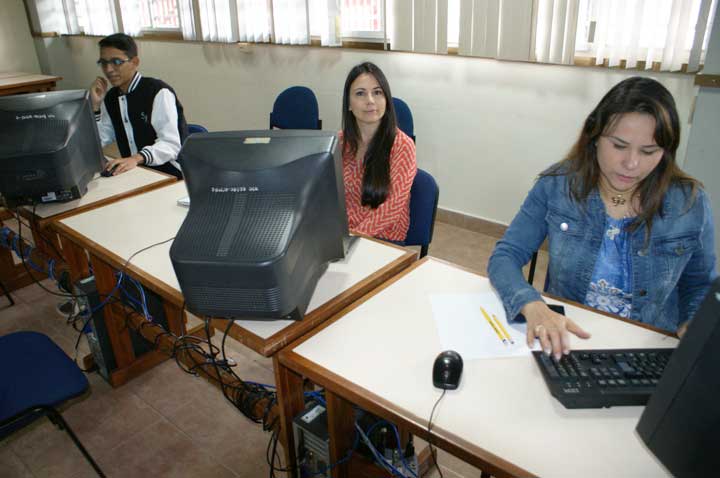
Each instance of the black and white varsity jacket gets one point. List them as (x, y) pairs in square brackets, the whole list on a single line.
[(148, 119)]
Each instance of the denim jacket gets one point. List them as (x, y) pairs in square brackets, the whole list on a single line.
[(670, 275)]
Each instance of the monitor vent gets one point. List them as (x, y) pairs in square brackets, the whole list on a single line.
[(46, 133), (234, 299), (248, 226)]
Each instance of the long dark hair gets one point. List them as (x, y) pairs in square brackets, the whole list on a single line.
[(632, 95), (376, 179)]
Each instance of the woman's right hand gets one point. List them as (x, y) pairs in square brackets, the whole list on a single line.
[(550, 328), (98, 89)]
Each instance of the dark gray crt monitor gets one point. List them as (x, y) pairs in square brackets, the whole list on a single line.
[(681, 422), (49, 147), (267, 215)]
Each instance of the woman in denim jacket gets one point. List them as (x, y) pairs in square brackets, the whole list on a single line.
[(629, 233)]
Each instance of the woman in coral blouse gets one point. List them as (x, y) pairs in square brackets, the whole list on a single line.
[(378, 159)]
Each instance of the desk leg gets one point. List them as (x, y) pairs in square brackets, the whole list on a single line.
[(118, 331), (46, 240), (175, 318), (341, 428), (14, 276), (128, 365), (291, 402), (76, 259)]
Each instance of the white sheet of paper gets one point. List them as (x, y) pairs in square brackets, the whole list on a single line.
[(462, 327)]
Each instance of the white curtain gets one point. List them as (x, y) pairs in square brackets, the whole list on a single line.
[(131, 16), (325, 21), (420, 26), (291, 22), (188, 20), (218, 20), (253, 20), (668, 32), (98, 16), (556, 31), (496, 29), (92, 17)]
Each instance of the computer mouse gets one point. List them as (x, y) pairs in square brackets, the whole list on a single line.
[(447, 370), (106, 173)]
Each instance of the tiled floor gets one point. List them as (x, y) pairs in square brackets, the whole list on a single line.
[(167, 423)]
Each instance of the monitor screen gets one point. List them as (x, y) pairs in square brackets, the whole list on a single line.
[(267, 215), (681, 422), (49, 147)]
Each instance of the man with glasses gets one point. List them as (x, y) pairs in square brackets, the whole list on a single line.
[(142, 114)]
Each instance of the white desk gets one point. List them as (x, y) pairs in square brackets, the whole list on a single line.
[(116, 231), (14, 83), (502, 418), (101, 190)]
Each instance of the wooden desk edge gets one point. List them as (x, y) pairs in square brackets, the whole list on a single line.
[(281, 338), (39, 81), (166, 180), (166, 291), (476, 456), (497, 466)]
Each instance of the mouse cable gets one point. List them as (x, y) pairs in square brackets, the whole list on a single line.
[(429, 429)]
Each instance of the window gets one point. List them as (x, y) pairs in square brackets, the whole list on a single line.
[(654, 32), (666, 35), (362, 18), (94, 17), (453, 29), (159, 15)]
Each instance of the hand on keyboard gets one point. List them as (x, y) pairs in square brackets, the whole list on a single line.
[(551, 328)]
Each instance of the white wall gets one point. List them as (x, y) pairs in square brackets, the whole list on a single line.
[(484, 128), (17, 52), (703, 152)]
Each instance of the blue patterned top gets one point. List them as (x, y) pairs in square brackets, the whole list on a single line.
[(611, 286)]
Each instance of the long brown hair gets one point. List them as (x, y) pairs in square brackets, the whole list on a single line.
[(376, 179), (632, 95)]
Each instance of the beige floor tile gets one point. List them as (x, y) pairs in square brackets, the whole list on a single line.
[(10, 464)]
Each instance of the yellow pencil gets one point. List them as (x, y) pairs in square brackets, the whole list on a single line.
[(504, 330), (492, 324)]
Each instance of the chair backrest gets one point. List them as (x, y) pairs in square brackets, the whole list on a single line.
[(296, 108), (404, 117), (196, 128), (423, 207)]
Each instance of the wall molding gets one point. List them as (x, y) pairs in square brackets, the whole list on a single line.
[(471, 223)]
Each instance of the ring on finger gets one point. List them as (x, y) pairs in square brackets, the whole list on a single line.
[(538, 328)]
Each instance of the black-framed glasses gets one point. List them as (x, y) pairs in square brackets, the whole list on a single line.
[(112, 61)]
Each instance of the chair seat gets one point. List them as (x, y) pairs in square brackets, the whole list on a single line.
[(34, 371)]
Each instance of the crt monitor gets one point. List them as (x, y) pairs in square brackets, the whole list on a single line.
[(681, 422), (267, 215), (49, 147)]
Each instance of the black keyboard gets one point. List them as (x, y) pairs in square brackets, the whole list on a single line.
[(603, 378)]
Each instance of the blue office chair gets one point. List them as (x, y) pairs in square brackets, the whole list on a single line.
[(424, 195), (196, 128), (37, 376), (531, 271), (404, 118), (296, 108)]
